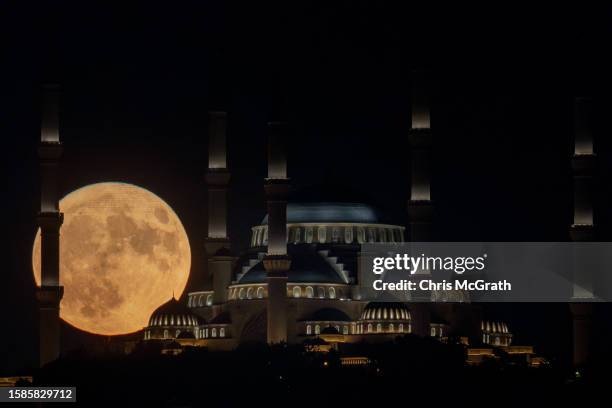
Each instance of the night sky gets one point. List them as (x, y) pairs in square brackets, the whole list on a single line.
[(137, 82)]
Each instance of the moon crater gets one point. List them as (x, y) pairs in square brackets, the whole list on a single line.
[(123, 252)]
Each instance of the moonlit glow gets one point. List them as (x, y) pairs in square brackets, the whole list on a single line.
[(123, 252)]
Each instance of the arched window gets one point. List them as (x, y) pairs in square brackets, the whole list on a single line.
[(371, 235), (332, 293), (222, 332), (345, 330), (348, 235), (369, 327), (321, 234), (209, 300), (201, 300), (206, 332), (309, 329), (177, 333), (409, 327), (265, 236), (260, 292), (433, 332), (400, 328), (338, 328), (321, 291), (165, 333), (190, 301), (297, 238), (497, 341), (381, 235), (297, 292), (317, 329), (391, 327), (250, 293), (335, 234), (390, 235), (309, 292), (241, 293), (309, 234), (213, 332), (378, 328), (360, 235)]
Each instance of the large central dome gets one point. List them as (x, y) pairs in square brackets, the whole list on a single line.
[(329, 213), (331, 223)]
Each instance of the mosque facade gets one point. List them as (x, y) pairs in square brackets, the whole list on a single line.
[(301, 279)]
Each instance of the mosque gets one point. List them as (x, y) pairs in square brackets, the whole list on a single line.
[(300, 280)]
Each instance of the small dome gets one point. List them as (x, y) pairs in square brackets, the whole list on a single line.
[(173, 314), (386, 311), (329, 213)]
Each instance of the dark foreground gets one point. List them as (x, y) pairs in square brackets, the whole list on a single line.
[(407, 371)]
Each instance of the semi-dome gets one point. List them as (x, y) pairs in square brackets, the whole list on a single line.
[(325, 212), (173, 314), (386, 311), (307, 266)]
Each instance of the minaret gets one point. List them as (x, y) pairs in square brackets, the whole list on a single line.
[(50, 219), (419, 203), (276, 261), (217, 243), (582, 229)]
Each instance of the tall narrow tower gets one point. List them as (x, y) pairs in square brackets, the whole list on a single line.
[(276, 261), (217, 242), (50, 219), (582, 229), (419, 203)]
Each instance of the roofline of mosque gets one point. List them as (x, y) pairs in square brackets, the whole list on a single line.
[(334, 224)]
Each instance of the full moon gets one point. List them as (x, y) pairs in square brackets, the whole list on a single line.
[(123, 252)]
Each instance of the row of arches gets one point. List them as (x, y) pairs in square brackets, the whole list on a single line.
[(166, 334), (311, 292), (370, 328), (200, 300), (205, 333), (247, 292), (321, 292), (330, 233), (360, 328), (497, 340)]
